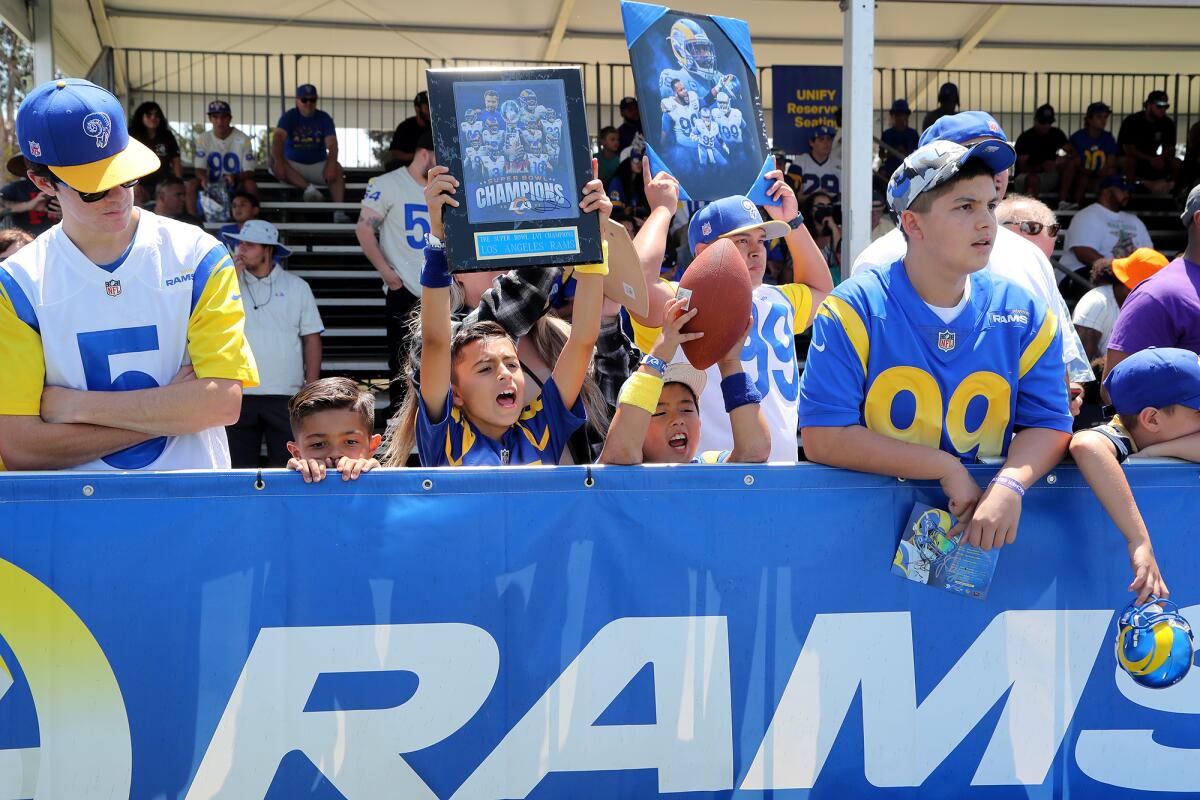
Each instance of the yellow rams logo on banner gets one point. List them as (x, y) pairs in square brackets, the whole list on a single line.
[(83, 729)]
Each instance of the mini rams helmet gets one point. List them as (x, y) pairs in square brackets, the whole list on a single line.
[(722, 101), (472, 114), (931, 529), (1154, 643), (692, 48), (706, 113), (528, 99)]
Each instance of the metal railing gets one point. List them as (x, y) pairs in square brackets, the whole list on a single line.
[(369, 95)]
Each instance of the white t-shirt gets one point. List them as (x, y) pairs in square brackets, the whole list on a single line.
[(1113, 234), (947, 315), (400, 200), (171, 300), (229, 156), (279, 310), (1098, 310), (769, 360), (1012, 257)]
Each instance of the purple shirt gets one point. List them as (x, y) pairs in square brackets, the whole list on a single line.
[(1163, 311)]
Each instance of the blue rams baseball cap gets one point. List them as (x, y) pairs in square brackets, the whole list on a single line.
[(1114, 180), (729, 216), (963, 127), (1155, 378), (932, 165), (822, 130), (77, 129), (306, 90), (219, 107)]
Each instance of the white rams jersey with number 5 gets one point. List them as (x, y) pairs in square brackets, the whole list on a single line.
[(171, 300)]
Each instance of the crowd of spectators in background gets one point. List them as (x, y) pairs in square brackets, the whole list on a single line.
[(1122, 295)]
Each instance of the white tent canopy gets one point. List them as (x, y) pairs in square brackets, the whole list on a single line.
[(1096, 36)]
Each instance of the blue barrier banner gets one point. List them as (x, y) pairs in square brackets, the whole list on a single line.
[(692, 632), (804, 98)]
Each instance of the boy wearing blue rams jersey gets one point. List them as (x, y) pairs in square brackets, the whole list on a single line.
[(470, 410), (920, 366)]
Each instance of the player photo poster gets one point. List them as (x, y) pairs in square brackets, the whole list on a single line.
[(698, 91), (516, 139)]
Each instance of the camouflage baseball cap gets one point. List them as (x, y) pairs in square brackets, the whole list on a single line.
[(937, 162)]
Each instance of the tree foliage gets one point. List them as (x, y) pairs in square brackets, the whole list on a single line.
[(16, 72)]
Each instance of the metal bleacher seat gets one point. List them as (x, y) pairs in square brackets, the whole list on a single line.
[(348, 290)]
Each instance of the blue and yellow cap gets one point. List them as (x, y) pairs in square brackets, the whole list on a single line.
[(728, 216), (77, 129)]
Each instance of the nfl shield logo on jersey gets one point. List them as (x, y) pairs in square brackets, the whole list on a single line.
[(945, 341), (112, 288)]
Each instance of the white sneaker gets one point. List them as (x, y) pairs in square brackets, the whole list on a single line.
[(341, 217), (1066, 205), (312, 194)]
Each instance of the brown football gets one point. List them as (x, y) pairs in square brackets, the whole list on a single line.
[(721, 293)]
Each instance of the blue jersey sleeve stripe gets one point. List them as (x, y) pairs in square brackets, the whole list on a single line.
[(20, 303), (1034, 350), (848, 319), (216, 260)]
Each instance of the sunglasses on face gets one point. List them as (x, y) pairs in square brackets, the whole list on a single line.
[(1034, 228), (308, 99), (95, 197)]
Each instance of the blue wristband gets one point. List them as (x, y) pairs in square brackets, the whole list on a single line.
[(655, 363), (436, 272), (1010, 483), (738, 390)]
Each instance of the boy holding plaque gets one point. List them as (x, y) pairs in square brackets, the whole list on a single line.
[(469, 412)]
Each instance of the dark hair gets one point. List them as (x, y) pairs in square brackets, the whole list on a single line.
[(248, 197), (1102, 274), (634, 185), (331, 394), (137, 128), (476, 332), (11, 236), (42, 171), (605, 131), (974, 168), (167, 182)]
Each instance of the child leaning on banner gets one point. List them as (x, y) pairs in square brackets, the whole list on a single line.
[(332, 423), (658, 419), (470, 411), (931, 361), (1156, 394)]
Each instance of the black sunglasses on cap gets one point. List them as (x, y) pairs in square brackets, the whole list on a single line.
[(1034, 228)]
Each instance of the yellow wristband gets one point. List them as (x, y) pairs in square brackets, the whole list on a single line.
[(595, 269), (641, 391)]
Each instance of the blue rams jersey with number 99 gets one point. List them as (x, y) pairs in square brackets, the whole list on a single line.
[(881, 358)]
